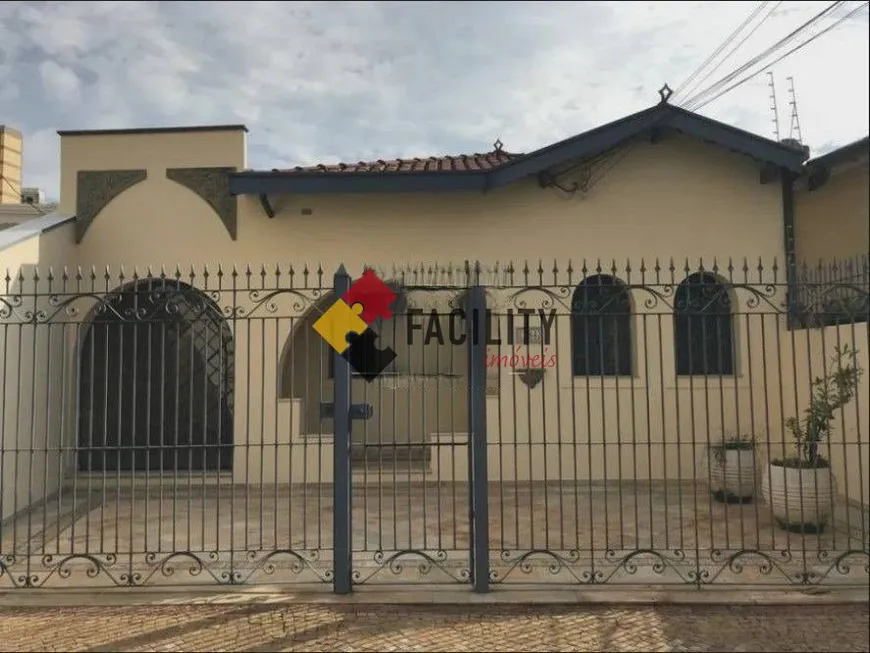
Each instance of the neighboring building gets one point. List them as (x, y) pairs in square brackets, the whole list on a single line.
[(832, 206), (10, 165), (17, 204), (832, 231)]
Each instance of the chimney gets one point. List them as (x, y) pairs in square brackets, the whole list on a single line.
[(10, 165), (796, 144)]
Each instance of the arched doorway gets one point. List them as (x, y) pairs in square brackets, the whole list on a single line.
[(156, 382)]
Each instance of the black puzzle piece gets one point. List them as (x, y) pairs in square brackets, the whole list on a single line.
[(364, 356)]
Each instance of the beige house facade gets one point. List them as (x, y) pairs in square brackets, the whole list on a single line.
[(833, 204), (643, 206)]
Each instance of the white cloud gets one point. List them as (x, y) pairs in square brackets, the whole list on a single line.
[(59, 82), (326, 81)]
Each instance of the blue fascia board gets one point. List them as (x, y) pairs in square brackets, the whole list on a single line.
[(289, 183)]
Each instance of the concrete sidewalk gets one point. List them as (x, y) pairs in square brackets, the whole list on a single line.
[(494, 627)]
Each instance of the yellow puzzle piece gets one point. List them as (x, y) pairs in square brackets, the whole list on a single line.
[(339, 320)]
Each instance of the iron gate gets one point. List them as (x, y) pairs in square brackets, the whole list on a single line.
[(431, 467), (601, 425)]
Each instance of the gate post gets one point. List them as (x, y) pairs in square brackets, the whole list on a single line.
[(478, 481), (341, 482)]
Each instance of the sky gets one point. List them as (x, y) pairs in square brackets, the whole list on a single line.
[(322, 82)]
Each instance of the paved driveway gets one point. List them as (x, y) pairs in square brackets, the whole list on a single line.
[(137, 532), (301, 627)]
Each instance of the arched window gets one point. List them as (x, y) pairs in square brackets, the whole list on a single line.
[(601, 327), (702, 326)]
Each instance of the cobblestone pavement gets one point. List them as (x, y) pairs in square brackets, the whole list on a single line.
[(298, 627)]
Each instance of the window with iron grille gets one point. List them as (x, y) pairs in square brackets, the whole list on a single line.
[(156, 382), (601, 328), (702, 327)]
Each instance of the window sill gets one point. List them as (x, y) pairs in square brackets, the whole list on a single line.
[(713, 382), (607, 382)]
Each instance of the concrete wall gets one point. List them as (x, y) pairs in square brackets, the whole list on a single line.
[(38, 341)]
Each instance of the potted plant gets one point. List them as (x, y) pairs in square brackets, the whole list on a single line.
[(733, 473), (800, 489)]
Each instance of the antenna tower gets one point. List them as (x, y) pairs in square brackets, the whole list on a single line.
[(795, 126), (773, 105)]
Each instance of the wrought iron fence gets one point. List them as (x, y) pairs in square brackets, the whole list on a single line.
[(833, 292), (147, 432), (578, 424)]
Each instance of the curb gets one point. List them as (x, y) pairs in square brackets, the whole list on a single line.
[(427, 596)]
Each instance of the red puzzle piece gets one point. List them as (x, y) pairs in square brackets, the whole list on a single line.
[(374, 295)]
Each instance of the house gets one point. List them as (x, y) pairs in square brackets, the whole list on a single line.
[(656, 255), (832, 229), (832, 205)]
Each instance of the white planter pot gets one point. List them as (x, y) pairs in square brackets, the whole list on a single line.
[(733, 474), (801, 499)]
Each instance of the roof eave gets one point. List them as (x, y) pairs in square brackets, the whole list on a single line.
[(578, 147), (850, 152), (584, 145), (737, 140), (668, 117)]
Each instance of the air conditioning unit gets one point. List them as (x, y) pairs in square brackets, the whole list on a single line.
[(32, 196)]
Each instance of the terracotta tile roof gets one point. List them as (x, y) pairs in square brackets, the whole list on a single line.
[(458, 163)]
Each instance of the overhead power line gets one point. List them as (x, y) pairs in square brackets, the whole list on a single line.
[(735, 48), (721, 47), (615, 157), (787, 54), (693, 103), (603, 164)]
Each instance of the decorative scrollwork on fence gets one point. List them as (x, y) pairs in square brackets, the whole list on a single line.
[(268, 301), (548, 296), (156, 569), (555, 562), (764, 563), (422, 562), (747, 566), (653, 298), (787, 567), (761, 295), (587, 570), (196, 563), (656, 298), (844, 564), (135, 298), (296, 562), (658, 562), (35, 572)]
